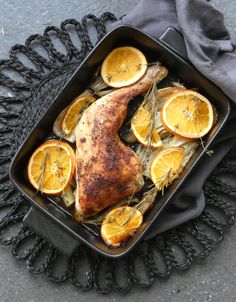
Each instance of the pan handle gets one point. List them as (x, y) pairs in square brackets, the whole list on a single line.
[(51, 232), (174, 40)]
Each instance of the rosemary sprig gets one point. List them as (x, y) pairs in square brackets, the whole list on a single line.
[(165, 180), (59, 166), (43, 170), (152, 106), (138, 66), (129, 218), (197, 128), (109, 77)]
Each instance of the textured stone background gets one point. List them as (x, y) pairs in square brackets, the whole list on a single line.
[(210, 280)]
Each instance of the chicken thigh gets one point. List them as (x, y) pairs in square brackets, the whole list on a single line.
[(107, 170)]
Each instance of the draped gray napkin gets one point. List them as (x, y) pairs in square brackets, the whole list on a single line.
[(211, 51)]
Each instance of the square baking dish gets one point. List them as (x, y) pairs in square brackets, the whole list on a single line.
[(178, 68)]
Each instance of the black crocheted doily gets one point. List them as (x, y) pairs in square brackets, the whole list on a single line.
[(24, 98)]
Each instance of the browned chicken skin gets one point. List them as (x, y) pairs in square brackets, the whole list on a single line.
[(107, 170)]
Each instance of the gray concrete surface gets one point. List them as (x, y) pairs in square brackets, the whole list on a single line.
[(214, 279)]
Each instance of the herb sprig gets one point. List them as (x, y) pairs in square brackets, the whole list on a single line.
[(43, 170)]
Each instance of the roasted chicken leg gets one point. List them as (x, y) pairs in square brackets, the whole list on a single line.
[(107, 170)]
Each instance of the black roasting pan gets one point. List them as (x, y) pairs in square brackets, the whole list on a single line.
[(179, 68)]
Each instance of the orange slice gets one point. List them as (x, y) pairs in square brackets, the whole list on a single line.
[(120, 224), (74, 112), (141, 127), (51, 167), (187, 114), (166, 166), (123, 66)]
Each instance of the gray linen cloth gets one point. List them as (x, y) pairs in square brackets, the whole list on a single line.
[(211, 51)]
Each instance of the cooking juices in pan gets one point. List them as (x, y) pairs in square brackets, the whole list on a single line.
[(120, 144)]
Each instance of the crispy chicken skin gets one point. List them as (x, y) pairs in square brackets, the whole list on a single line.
[(107, 170)]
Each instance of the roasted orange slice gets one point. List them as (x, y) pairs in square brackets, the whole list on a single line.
[(74, 112), (141, 127), (166, 166), (119, 224), (51, 167), (187, 114), (123, 66)]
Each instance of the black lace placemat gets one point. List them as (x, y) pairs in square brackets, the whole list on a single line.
[(26, 91)]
